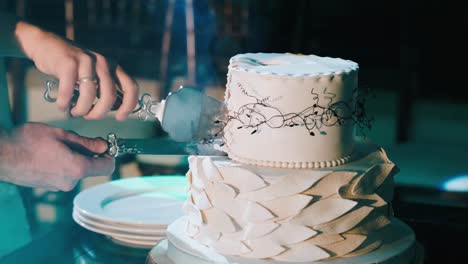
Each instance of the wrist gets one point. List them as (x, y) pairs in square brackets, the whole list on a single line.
[(5, 148)]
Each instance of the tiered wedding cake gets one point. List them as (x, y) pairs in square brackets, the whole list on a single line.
[(298, 186)]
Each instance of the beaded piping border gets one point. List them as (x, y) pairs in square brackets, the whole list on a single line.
[(290, 165)]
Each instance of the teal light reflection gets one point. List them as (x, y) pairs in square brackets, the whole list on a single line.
[(457, 183)]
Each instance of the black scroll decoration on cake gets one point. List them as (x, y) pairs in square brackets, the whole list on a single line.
[(324, 112)]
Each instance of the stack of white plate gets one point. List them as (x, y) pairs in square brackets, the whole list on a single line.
[(132, 212)]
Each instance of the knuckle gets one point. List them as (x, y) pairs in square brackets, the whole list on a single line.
[(101, 63), (62, 104), (100, 58), (70, 64), (78, 171), (60, 132), (68, 186), (79, 111), (86, 59), (88, 142)]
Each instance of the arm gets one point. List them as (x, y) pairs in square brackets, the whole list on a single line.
[(9, 46)]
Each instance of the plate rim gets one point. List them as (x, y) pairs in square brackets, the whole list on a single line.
[(117, 223), (135, 230), (91, 206), (111, 233)]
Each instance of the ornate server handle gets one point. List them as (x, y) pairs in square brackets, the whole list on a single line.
[(112, 147), (147, 108)]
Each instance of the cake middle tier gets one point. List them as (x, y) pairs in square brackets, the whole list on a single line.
[(290, 214)]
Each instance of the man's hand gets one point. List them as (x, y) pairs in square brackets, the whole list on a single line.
[(38, 155), (70, 63)]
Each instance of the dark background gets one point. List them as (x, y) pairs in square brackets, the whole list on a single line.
[(389, 39), (412, 50)]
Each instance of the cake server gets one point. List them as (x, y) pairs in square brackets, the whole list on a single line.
[(191, 118), (157, 146), (118, 146)]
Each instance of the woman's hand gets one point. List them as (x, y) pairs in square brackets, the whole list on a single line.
[(38, 155), (70, 63)]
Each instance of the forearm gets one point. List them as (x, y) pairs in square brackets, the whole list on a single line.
[(4, 141), (9, 45), (5, 149)]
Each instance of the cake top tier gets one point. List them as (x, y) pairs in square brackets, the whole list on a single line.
[(290, 64), (292, 111)]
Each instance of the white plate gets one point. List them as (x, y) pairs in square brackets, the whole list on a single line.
[(116, 234), (154, 231), (144, 201), (117, 224)]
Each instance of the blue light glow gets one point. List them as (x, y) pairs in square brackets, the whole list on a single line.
[(456, 184)]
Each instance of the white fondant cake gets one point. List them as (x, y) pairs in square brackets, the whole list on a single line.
[(296, 110), (290, 215), (298, 186), (399, 248)]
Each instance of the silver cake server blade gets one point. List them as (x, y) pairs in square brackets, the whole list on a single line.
[(157, 146), (191, 116)]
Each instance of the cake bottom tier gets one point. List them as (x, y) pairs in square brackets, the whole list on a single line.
[(179, 248), (291, 215)]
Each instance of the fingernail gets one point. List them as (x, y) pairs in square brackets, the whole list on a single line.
[(61, 108), (120, 118)]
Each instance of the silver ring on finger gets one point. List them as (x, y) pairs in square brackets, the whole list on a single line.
[(88, 79)]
